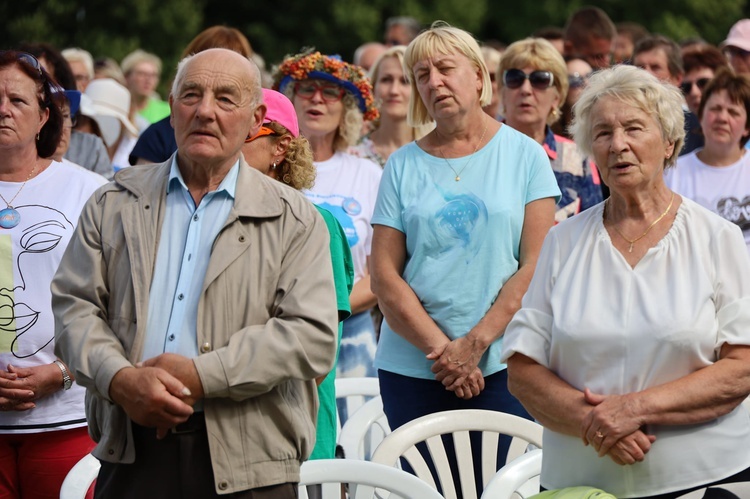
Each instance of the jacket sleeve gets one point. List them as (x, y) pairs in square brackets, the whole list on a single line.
[(80, 294), (299, 341)]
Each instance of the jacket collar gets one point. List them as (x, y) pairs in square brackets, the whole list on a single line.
[(256, 195)]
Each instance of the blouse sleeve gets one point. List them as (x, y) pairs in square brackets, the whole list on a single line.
[(731, 287), (530, 330)]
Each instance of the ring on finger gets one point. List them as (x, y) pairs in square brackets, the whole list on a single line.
[(599, 434)]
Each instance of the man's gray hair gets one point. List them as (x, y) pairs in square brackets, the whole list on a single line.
[(256, 90)]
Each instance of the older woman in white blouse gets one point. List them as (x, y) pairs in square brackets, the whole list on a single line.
[(631, 346)]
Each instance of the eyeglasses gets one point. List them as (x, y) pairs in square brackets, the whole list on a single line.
[(329, 91), (540, 80), (264, 131), (687, 86), (25, 58)]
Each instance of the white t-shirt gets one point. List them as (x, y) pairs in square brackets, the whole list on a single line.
[(725, 190), (49, 205), (598, 323), (347, 186)]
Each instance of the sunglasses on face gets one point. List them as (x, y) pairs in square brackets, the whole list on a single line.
[(262, 132), (540, 80), (329, 91), (687, 86)]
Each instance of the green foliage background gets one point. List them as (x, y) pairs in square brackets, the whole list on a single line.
[(164, 27)]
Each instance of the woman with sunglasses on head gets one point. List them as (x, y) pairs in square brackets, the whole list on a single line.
[(332, 98), (42, 421), (460, 218), (534, 85), (718, 175), (700, 64)]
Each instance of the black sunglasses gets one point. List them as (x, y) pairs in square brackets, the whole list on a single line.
[(687, 86), (25, 58), (540, 80)]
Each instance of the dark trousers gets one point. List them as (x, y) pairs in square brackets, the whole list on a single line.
[(176, 467), (406, 398)]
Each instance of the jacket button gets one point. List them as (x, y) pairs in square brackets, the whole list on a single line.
[(205, 348), (111, 452), (242, 239), (223, 485)]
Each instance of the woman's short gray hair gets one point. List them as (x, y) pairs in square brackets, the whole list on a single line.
[(637, 87)]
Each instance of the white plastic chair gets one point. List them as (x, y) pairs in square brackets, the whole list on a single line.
[(364, 478), (355, 392), (364, 430), (429, 429), (521, 476), (79, 478)]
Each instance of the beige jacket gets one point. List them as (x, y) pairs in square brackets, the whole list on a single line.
[(267, 320)]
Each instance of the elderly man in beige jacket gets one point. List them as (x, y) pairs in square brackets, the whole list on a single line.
[(196, 304)]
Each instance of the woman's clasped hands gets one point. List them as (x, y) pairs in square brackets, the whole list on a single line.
[(613, 428), (456, 368)]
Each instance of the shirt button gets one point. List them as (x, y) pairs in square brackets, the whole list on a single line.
[(195, 217), (206, 347), (223, 485), (180, 296), (171, 337)]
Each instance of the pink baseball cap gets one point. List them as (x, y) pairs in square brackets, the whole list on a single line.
[(739, 35), (281, 110)]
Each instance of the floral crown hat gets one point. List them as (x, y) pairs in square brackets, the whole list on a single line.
[(311, 64)]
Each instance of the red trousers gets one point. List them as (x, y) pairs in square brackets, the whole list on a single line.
[(34, 465)]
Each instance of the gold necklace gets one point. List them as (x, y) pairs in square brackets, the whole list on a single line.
[(633, 241), (458, 173), (9, 216)]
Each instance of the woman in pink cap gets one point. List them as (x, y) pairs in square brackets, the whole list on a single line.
[(280, 152)]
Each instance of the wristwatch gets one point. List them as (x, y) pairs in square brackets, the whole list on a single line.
[(67, 380)]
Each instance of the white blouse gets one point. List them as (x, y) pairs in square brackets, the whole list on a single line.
[(598, 323)]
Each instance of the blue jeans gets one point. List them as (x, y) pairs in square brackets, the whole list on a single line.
[(406, 398)]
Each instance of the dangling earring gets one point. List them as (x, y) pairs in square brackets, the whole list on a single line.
[(273, 166), (37, 137)]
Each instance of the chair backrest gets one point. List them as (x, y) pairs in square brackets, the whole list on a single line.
[(520, 476), (353, 393), (401, 443), (363, 478), (79, 478), (364, 430)]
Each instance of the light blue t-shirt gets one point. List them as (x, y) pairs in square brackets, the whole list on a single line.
[(462, 238)]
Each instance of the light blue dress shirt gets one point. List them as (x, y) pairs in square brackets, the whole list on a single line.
[(187, 236)]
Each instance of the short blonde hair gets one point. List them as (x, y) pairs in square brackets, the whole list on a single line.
[(75, 54), (492, 59), (540, 54), (138, 56), (297, 170), (637, 87), (444, 39)]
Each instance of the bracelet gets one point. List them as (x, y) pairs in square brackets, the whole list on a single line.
[(67, 380)]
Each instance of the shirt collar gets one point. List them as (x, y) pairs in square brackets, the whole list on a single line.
[(228, 184)]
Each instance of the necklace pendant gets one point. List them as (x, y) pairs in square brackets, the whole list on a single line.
[(458, 178), (9, 217), (630, 249)]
